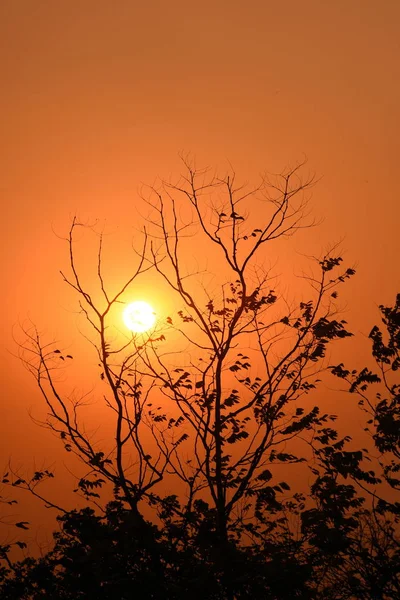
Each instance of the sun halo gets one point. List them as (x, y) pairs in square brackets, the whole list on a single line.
[(139, 316)]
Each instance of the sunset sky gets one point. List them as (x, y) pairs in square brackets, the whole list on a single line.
[(100, 97)]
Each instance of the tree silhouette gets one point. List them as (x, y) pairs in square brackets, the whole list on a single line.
[(212, 403)]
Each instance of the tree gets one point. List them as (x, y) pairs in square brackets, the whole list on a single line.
[(211, 402), (364, 539), (240, 421), (384, 410)]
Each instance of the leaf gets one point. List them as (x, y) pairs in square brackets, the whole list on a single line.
[(329, 263), (181, 439), (18, 482), (339, 371), (234, 437), (265, 475)]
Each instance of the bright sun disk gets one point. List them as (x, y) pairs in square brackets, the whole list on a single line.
[(139, 316)]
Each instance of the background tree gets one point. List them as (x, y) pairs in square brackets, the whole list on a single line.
[(384, 411), (372, 559)]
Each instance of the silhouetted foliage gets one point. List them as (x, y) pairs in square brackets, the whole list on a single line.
[(218, 417)]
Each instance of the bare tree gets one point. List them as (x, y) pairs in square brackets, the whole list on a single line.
[(123, 384)]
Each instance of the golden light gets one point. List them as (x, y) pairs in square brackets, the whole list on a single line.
[(139, 316)]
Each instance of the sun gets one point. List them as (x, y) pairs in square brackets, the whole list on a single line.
[(139, 316)]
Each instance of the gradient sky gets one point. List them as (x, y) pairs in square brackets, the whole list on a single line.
[(99, 96)]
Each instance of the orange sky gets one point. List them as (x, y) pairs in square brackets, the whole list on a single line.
[(99, 96)]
